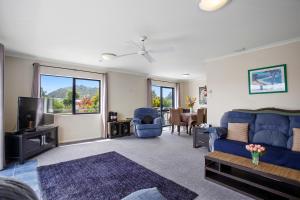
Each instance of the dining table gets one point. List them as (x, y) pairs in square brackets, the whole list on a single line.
[(189, 118)]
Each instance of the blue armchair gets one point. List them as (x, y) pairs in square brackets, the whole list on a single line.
[(147, 123)]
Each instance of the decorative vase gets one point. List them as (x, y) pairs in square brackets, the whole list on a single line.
[(255, 158), (191, 110)]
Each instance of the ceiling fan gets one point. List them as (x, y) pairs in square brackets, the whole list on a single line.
[(141, 51)]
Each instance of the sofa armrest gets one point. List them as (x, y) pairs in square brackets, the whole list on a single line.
[(214, 134), (136, 121), (157, 120)]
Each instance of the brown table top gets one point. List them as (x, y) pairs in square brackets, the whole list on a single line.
[(189, 114), (188, 117), (267, 168)]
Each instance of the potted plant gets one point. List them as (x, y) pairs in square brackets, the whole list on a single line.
[(190, 102), (256, 151)]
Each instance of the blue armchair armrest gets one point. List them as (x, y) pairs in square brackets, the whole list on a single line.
[(157, 120), (136, 121), (214, 134)]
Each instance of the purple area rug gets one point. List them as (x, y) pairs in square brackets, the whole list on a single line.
[(105, 176)]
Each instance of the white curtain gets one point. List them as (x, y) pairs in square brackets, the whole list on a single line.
[(35, 91), (177, 96), (2, 161), (104, 105), (149, 92)]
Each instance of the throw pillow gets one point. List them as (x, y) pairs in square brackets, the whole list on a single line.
[(238, 132), (296, 139), (145, 194), (147, 120)]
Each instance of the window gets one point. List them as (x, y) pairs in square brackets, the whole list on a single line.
[(70, 95), (57, 90), (156, 97), (87, 96)]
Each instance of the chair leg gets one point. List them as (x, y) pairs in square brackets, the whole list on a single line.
[(178, 130), (187, 129), (172, 131), (191, 130)]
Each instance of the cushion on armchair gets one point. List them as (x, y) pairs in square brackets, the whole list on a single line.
[(147, 119)]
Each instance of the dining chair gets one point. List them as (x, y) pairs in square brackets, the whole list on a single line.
[(200, 118), (175, 119)]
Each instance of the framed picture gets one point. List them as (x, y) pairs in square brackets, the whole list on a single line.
[(203, 95), (268, 80)]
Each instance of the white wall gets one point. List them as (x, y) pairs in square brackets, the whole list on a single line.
[(228, 80), (126, 92)]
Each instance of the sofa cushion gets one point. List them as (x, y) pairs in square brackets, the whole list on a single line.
[(296, 139), (294, 123), (273, 155), (240, 117), (148, 119), (238, 132), (148, 126), (145, 194), (272, 129)]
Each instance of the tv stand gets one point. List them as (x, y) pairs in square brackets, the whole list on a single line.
[(22, 145)]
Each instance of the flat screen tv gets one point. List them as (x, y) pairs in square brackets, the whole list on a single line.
[(31, 113)]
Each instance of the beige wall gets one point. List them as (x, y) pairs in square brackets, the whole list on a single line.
[(125, 92), (191, 88), (227, 79), (18, 82)]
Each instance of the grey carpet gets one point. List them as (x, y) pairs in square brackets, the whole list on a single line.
[(171, 156)]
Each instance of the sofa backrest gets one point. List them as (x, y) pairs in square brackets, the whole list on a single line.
[(240, 117), (267, 126), (272, 129), (140, 113)]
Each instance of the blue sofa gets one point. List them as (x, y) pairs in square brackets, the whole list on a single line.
[(147, 123), (274, 130)]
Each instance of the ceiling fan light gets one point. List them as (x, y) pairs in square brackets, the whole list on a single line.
[(212, 5), (108, 56)]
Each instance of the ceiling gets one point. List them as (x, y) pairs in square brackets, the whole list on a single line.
[(78, 31)]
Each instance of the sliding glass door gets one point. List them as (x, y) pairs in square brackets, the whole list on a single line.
[(163, 101)]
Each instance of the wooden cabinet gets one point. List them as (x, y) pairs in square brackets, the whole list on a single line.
[(22, 145), (119, 129)]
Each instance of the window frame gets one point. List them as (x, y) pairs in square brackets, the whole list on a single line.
[(73, 111), (74, 96)]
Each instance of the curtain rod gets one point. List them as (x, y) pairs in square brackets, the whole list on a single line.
[(163, 81), (78, 70)]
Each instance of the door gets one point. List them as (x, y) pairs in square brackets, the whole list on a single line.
[(163, 101)]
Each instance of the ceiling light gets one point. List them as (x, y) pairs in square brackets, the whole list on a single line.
[(186, 75), (212, 5), (108, 56)]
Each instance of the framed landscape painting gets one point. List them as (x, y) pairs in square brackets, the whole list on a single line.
[(268, 80)]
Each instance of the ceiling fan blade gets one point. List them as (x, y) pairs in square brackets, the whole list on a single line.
[(127, 54), (148, 57)]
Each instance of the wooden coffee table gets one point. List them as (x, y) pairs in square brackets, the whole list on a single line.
[(265, 181)]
